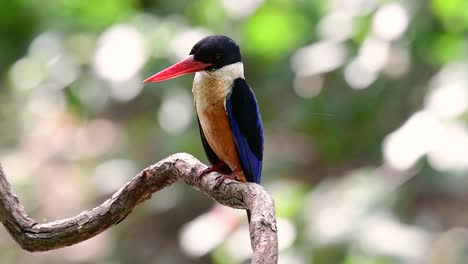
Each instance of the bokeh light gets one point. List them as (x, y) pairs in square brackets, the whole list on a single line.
[(184, 41), (404, 147), (390, 21), (448, 97), (365, 112), (241, 8), (27, 73), (176, 112), (358, 76), (318, 58), (120, 53)]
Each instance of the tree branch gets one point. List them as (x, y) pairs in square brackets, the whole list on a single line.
[(34, 236)]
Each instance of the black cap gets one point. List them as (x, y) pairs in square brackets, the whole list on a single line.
[(218, 50)]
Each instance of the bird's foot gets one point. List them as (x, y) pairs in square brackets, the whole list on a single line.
[(222, 178), (217, 168)]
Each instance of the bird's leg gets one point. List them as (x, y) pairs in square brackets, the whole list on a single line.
[(222, 178), (217, 167)]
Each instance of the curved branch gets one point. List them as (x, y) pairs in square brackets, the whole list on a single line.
[(34, 236)]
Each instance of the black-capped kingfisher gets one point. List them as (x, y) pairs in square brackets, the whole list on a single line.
[(228, 115)]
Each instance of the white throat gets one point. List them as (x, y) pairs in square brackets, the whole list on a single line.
[(228, 72), (210, 87)]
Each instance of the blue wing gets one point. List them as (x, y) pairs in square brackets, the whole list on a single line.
[(246, 125)]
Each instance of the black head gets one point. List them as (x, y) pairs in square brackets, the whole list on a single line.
[(218, 50)]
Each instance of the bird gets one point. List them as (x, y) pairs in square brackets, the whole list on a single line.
[(228, 113)]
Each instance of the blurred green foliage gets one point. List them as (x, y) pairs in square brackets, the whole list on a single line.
[(364, 105)]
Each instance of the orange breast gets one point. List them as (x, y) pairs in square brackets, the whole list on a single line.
[(216, 128)]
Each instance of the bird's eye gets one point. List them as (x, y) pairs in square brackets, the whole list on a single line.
[(218, 56)]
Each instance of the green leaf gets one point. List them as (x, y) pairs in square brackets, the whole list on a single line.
[(96, 15), (448, 47), (289, 200), (207, 12), (452, 13), (271, 32)]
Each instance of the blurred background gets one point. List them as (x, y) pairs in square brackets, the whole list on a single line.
[(365, 108)]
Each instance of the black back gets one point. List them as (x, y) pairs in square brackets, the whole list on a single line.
[(247, 129), (218, 50)]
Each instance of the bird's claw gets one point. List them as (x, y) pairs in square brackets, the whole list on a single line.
[(203, 173), (214, 168), (222, 178)]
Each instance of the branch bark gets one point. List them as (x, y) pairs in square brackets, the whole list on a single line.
[(34, 236)]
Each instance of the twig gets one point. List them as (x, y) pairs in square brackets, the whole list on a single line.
[(34, 236)]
